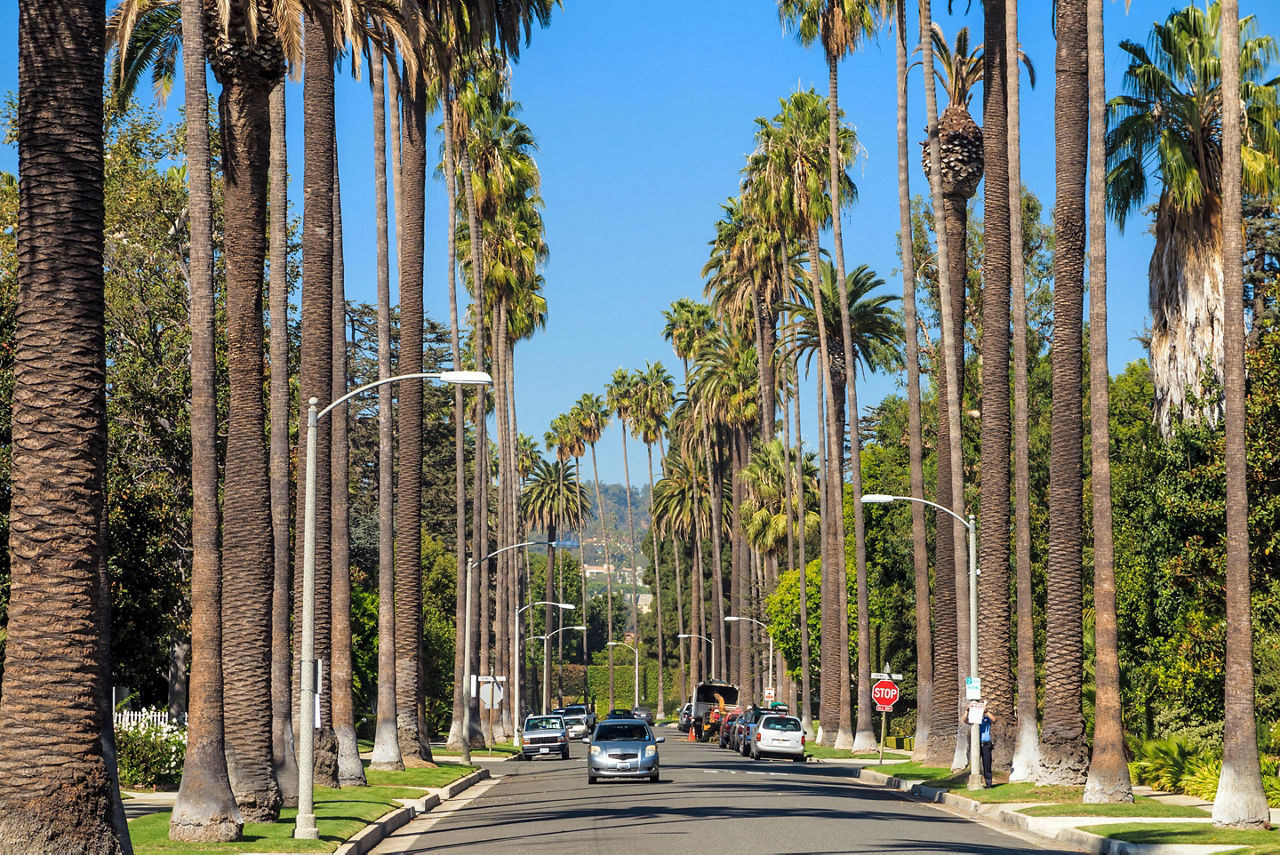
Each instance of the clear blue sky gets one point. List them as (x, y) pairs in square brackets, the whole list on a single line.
[(643, 115)]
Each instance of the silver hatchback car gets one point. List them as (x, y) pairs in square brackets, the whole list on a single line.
[(623, 748)]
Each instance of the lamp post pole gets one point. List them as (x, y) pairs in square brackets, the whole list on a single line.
[(708, 641), (975, 781), (635, 697), (305, 825), (732, 618), (545, 639)]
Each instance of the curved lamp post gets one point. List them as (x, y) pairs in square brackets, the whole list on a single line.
[(635, 698), (975, 773), (708, 641), (305, 825), (466, 644), (733, 618)]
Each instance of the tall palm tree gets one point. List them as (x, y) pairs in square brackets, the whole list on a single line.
[(947, 637), (1063, 747), (386, 746), (1108, 779), (842, 25), (593, 416), (621, 396), (552, 499), (560, 438), (1240, 801), (790, 168), (924, 636), (1027, 748), (994, 618), (578, 418), (58, 789), (1168, 125), (657, 394)]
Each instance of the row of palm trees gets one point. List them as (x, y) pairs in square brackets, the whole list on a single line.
[(239, 744)]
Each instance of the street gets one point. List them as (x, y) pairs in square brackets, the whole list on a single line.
[(707, 800)]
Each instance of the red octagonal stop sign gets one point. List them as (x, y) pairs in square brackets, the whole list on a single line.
[(885, 694)]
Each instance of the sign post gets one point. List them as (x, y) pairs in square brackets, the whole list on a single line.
[(885, 695)]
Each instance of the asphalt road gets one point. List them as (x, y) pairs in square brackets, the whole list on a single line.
[(708, 800)]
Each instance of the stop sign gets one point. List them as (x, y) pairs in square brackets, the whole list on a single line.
[(885, 694)]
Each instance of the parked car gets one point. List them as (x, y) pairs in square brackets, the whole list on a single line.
[(576, 727), (583, 710), (623, 748), (620, 712), (644, 714), (686, 717), (778, 735), (544, 735), (727, 728), (747, 728)]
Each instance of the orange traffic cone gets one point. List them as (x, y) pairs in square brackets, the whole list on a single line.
[(691, 737)]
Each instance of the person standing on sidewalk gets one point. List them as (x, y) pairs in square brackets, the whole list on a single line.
[(985, 742)]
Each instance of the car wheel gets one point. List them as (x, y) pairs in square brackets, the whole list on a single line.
[(564, 755), (799, 759), (653, 779), (592, 779)]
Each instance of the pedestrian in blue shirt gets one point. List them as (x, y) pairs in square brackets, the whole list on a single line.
[(985, 742)]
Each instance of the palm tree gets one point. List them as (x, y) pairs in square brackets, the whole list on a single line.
[(579, 447), (58, 788), (1027, 749), (593, 415), (621, 396), (1241, 801), (552, 499), (657, 394), (993, 502), (947, 638), (790, 170), (1108, 779), (562, 439), (1169, 125), (386, 746), (1063, 749)]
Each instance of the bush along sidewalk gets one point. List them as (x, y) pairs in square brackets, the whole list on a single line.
[(340, 815)]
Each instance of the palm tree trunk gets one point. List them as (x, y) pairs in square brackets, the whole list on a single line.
[(657, 597), (806, 669), (58, 790), (739, 638), (408, 594), (205, 809), (608, 571), (715, 609), (680, 681), (1240, 801), (950, 394), (993, 542), (1063, 747), (1026, 755), (549, 596), (350, 770), (830, 659), (480, 466), (386, 746), (631, 534), (919, 549), (864, 738), (284, 761), (247, 547)]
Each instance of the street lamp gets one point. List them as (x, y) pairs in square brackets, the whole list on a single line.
[(975, 773), (466, 642), (546, 638), (733, 618), (635, 697), (305, 825), (708, 641)]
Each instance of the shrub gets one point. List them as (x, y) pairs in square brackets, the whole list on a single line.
[(150, 756), (1163, 763), (1201, 778)]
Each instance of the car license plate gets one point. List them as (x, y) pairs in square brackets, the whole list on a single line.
[(624, 767), (544, 750)]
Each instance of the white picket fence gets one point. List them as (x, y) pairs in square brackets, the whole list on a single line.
[(153, 717)]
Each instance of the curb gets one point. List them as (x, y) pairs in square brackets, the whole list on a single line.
[(1093, 843), (375, 832)]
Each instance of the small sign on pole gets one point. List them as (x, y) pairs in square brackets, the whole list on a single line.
[(885, 694), (972, 688), (770, 694)]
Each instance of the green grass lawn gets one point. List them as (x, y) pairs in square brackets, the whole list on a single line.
[(915, 772), (424, 777), (339, 814), (824, 752), (1142, 806), (498, 750), (889, 754), (1256, 842)]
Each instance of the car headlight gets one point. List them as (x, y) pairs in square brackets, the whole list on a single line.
[(650, 750), (596, 751)]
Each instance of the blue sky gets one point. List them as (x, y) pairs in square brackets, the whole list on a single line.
[(643, 115)]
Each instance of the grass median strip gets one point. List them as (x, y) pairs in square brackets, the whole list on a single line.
[(1141, 806), (339, 815), (1201, 834)]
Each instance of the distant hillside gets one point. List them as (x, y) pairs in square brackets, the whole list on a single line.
[(614, 500)]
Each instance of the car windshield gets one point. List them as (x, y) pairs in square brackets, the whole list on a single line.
[(622, 732), (574, 719), (791, 725), (577, 709), (550, 722)]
